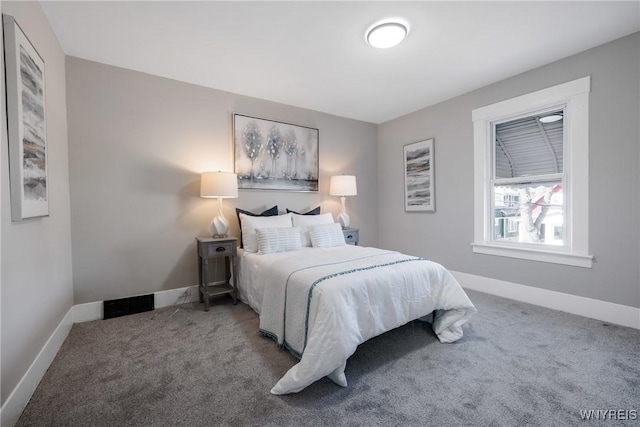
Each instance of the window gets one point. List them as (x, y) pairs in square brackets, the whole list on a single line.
[(531, 176), (527, 176)]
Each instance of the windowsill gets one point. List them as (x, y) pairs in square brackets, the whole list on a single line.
[(531, 254)]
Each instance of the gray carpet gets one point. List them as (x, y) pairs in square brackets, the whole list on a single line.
[(517, 365)]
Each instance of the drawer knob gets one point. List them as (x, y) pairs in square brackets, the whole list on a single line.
[(349, 236), (220, 249)]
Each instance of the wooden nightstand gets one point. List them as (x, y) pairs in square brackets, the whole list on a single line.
[(351, 235), (210, 248)]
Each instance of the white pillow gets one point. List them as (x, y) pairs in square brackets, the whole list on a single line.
[(249, 223), (273, 240), (327, 235), (306, 221)]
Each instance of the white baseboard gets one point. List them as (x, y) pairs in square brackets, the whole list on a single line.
[(601, 310), (95, 310), (176, 296), (19, 397)]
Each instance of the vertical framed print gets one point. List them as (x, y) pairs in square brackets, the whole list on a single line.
[(419, 185), (27, 124)]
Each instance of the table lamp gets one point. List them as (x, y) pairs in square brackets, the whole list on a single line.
[(220, 185), (343, 185)]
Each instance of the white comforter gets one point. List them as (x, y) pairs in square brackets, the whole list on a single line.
[(322, 303)]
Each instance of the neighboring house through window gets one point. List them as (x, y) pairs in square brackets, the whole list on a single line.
[(531, 171)]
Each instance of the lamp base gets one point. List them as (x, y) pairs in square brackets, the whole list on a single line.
[(344, 222), (343, 218), (217, 228), (219, 225)]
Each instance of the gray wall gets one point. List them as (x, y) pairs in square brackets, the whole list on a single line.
[(614, 177), (137, 145), (36, 254)]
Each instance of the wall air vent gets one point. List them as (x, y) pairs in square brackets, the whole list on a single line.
[(125, 306)]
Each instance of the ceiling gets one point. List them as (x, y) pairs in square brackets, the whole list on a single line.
[(313, 54)]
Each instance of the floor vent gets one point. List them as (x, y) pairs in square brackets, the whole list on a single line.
[(131, 305)]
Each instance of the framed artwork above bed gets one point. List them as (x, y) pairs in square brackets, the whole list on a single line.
[(419, 194), (271, 155)]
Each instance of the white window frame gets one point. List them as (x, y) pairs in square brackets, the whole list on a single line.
[(575, 96)]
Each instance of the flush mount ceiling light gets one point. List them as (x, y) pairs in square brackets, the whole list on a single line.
[(551, 118), (386, 34)]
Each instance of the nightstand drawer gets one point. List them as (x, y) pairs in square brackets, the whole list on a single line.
[(215, 249), (351, 235)]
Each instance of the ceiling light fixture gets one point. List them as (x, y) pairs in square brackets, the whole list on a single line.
[(551, 118), (387, 34)]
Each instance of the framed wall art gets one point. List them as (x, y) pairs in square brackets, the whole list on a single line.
[(271, 155), (419, 185), (26, 119)]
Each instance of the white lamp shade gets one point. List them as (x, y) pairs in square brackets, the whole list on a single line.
[(343, 185), (219, 184)]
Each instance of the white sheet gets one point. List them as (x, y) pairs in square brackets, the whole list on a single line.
[(322, 303), (251, 275)]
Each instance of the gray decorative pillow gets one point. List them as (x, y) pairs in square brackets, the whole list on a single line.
[(315, 211)]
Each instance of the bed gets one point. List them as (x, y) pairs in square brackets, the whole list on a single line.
[(321, 301)]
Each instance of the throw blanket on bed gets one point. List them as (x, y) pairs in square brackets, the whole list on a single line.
[(321, 307)]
